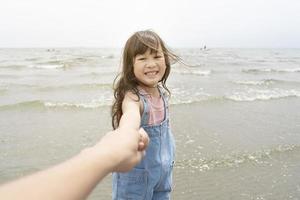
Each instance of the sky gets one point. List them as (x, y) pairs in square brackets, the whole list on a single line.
[(180, 23)]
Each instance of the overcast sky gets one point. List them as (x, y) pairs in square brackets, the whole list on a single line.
[(181, 23)]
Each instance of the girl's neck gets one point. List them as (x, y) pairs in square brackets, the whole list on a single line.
[(152, 91)]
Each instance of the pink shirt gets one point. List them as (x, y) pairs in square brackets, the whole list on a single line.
[(156, 108)]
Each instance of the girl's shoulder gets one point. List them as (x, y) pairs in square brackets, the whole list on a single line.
[(131, 96)]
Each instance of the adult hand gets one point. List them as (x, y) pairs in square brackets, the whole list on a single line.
[(124, 147), (119, 151)]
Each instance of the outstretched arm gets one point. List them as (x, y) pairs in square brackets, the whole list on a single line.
[(131, 117), (74, 179)]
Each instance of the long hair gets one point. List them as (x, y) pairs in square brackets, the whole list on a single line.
[(126, 81)]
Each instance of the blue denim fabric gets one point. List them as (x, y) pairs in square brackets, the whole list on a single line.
[(151, 179)]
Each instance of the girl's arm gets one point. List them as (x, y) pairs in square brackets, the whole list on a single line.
[(74, 179), (131, 117)]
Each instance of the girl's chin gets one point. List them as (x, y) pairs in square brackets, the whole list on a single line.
[(149, 85)]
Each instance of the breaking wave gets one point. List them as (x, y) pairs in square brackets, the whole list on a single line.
[(267, 70), (264, 82), (255, 94), (39, 104)]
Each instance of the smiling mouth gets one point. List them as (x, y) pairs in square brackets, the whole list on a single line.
[(152, 73)]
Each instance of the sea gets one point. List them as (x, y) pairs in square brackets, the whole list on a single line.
[(235, 115)]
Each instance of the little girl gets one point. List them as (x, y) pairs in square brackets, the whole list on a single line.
[(140, 93)]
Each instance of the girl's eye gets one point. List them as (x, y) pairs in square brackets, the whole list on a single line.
[(157, 56), (141, 58)]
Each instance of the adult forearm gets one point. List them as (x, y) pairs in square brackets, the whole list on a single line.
[(73, 179)]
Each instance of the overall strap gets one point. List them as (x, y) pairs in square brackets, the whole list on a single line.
[(145, 114), (166, 105)]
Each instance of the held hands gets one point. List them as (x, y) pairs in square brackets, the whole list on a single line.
[(143, 140), (124, 148)]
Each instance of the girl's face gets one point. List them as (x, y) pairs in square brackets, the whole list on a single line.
[(148, 68)]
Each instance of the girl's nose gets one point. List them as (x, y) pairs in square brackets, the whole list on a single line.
[(151, 63)]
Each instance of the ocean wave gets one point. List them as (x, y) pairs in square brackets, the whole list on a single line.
[(176, 99), (250, 94), (14, 67), (267, 70), (80, 86), (40, 104), (33, 59), (193, 72), (23, 105), (81, 59), (111, 56), (181, 95), (265, 82), (38, 65), (257, 82), (195, 99), (98, 74), (255, 94), (242, 96), (48, 66), (91, 105), (236, 159)]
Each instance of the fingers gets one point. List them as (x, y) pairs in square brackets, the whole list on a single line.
[(141, 146), (144, 140)]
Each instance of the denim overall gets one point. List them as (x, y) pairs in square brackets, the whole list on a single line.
[(151, 179)]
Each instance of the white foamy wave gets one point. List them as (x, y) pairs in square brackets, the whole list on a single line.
[(177, 101), (257, 82), (40, 104), (254, 94), (54, 66), (290, 70), (111, 56), (88, 105), (180, 96), (193, 72)]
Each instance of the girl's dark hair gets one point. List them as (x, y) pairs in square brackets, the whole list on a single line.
[(126, 81)]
